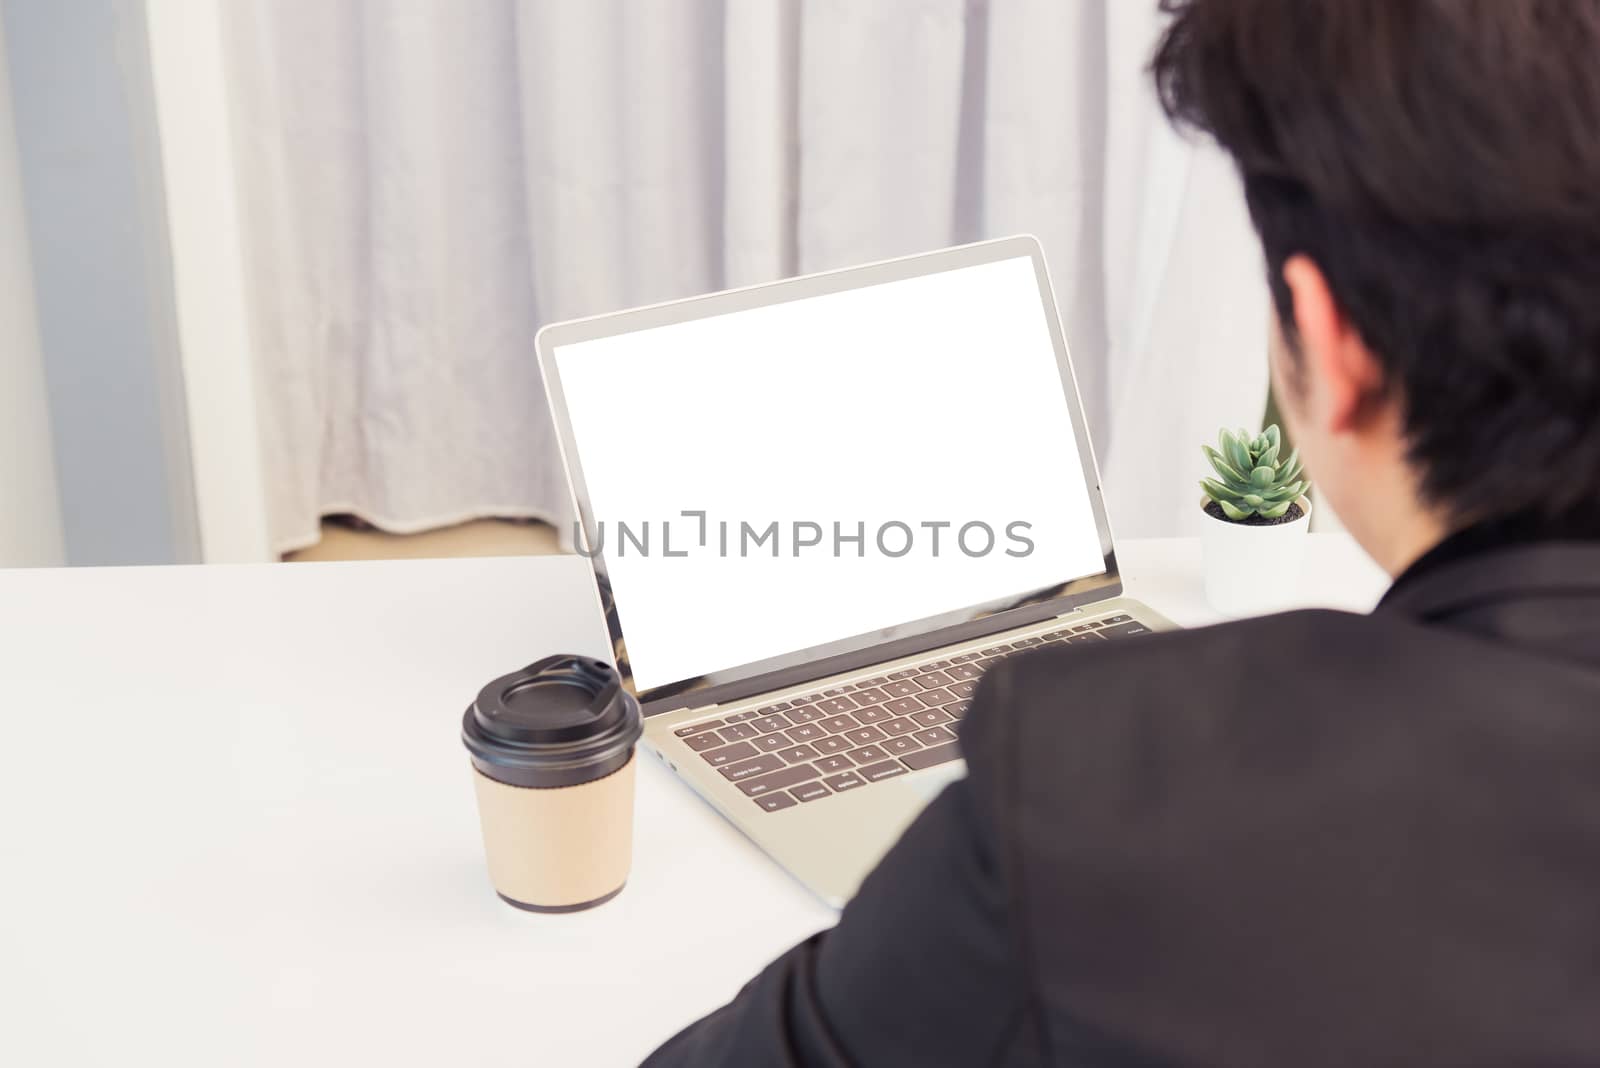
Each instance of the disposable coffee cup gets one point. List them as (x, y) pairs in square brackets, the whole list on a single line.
[(552, 750)]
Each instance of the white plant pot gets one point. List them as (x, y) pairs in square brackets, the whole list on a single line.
[(1251, 570)]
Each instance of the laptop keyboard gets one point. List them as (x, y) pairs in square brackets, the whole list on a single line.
[(846, 737)]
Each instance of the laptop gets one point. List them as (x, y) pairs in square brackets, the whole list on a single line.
[(817, 511)]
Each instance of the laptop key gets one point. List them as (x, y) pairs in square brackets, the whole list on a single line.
[(744, 716), (811, 791), (729, 753), (746, 769), (865, 735), (696, 728), (903, 744), (873, 715), (806, 715), (871, 695), (737, 733), (839, 723), (965, 658), (775, 722), (1055, 634), (879, 681), (899, 726), (935, 698), (848, 781), (835, 692), (886, 770), (909, 673), (1026, 643), (775, 802), (997, 650), (867, 754), (934, 736), (958, 709), (901, 688), (927, 758), (931, 717), (834, 706), (1079, 639), (793, 775), (1125, 630), (771, 743), (834, 764), (805, 733), (964, 671), (904, 706), (837, 743), (964, 689), (781, 706), (933, 679), (1109, 620), (797, 754), (701, 742), (796, 702)]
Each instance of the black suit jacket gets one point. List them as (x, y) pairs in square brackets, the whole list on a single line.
[(1311, 839)]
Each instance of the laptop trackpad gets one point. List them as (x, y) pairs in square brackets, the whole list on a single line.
[(931, 783)]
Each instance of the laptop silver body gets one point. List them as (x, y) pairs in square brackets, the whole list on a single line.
[(816, 511)]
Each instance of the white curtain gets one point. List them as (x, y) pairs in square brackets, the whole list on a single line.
[(424, 184)]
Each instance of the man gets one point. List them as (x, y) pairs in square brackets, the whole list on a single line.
[(1317, 838)]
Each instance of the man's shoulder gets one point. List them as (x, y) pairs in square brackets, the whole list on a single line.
[(1267, 662), (1097, 756), (1205, 709)]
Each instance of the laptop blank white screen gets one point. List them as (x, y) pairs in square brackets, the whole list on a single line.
[(886, 410)]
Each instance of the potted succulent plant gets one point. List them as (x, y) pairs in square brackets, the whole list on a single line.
[(1257, 515)]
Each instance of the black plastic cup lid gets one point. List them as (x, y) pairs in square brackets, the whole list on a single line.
[(562, 721)]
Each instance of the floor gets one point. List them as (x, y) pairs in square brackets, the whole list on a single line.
[(352, 540)]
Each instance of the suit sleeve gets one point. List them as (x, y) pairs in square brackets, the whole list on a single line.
[(924, 965)]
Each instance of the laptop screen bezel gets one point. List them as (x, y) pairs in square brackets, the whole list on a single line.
[(856, 651)]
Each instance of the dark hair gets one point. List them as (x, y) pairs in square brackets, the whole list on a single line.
[(1439, 160)]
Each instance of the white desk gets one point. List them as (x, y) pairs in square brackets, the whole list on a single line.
[(238, 826)]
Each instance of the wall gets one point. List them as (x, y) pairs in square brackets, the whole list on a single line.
[(30, 515), (95, 219), (208, 277), (29, 512)]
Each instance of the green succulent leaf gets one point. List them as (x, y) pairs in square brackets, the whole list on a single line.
[(1217, 491), (1290, 468), (1262, 476), (1223, 467), (1269, 456), (1235, 450), (1274, 435), (1274, 511), (1232, 512)]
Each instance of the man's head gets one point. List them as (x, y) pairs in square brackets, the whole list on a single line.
[(1425, 179)]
